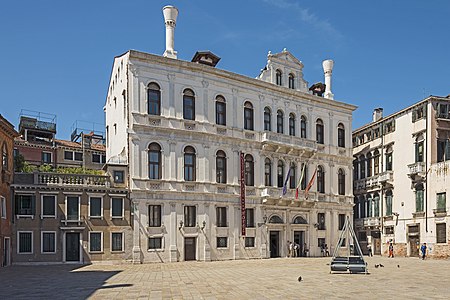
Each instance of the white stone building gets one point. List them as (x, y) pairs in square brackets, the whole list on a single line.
[(179, 128), (401, 179)]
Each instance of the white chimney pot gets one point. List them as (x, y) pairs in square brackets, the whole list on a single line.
[(328, 70), (170, 19)]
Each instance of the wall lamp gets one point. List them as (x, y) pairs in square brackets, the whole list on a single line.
[(181, 225)]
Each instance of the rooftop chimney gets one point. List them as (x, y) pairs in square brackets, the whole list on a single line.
[(377, 114), (170, 19), (328, 70)]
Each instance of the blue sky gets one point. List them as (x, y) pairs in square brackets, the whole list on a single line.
[(57, 55)]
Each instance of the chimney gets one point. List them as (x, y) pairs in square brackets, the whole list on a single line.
[(377, 114), (170, 19), (328, 70)]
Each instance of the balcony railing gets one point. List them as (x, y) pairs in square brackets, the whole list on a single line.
[(38, 178), (415, 168), (288, 140)]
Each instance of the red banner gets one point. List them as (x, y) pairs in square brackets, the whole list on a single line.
[(243, 221)]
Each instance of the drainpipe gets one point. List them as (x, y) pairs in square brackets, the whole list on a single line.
[(426, 171)]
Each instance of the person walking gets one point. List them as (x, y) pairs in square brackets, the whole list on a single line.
[(369, 249), (423, 249), (391, 250)]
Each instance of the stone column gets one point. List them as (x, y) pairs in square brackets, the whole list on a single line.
[(137, 255), (236, 112), (205, 103), (173, 228), (310, 124), (172, 161), (172, 110)]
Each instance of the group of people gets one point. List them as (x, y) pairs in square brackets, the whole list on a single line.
[(294, 249)]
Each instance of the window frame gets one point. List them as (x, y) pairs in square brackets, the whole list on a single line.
[(188, 105), (3, 208), (116, 178), (249, 118), (280, 173), (221, 216), (249, 170), (31, 241), (291, 124), (267, 119), (189, 169), (221, 172), (267, 172), (222, 238), (155, 222), (278, 77), (441, 239), (341, 182), (154, 149), (320, 179), (55, 205), (247, 242), (341, 135), (293, 176), (190, 216), (42, 242), (154, 238), (291, 81), (90, 207), (90, 243), (320, 132), (112, 210), (66, 207), (221, 111), (280, 121), (45, 154), (122, 246), (250, 217), (155, 104), (303, 128)]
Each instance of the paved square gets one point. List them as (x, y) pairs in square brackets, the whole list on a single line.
[(251, 279)]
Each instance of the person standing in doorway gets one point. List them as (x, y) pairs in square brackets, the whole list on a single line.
[(423, 249), (391, 250), (369, 249)]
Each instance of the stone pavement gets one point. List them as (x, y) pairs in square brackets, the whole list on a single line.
[(249, 279)]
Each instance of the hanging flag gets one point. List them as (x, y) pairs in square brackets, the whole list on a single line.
[(285, 182), (300, 180), (310, 183)]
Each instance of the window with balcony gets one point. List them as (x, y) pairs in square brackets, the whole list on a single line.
[(154, 161), (291, 81), (188, 105), (189, 164), (267, 119), (221, 111), (190, 216), (250, 217), (117, 208), (248, 116), (419, 197), (154, 216), (95, 207), (153, 99), (441, 233), (376, 162), (321, 221), (369, 164), (291, 124), (280, 120), (389, 158), (25, 205), (278, 77), (303, 127), (389, 198), (48, 206), (280, 173), (221, 167), (320, 179), (319, 131), (419, 151), (341, 182), (221, 216), (293, 176), (267, 172), (341, 135), (249, 170), (441, 202)]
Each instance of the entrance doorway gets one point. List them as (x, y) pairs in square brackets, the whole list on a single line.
[(299, 239), (6, 252), (414, 246), (377, 246), (72, 247), (274, 244), (189, 248)]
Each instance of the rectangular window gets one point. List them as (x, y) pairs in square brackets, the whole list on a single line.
[(117, 207), (249, 242), (95, 242), (96, 158), (320, 242), (24, 205), (154, 215), (249, 218), (2, 207), (222, 242), (48, 206), (48, 240), (154, 243), (25, 241), (419, 200), (118, 177), (72, 208), (95, 207), (419, 151), (388, 205), (117, 241), (341, 221), (221, 216), (46, 157), (441, 233), (78, 156), (389, 161), (321, 221), (440, 202), (389, 230), (190, 216), (68, 155)]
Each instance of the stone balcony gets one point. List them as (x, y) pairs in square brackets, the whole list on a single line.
[(288, 141), (59, 179), (440, 212), (373, 181)]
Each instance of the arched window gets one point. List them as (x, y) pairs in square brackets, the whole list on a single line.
[(154, 161), (267, 119), (293, 176), (389, 157), (362, 207), (362, 167), (376, 162), (389, 198), (320, 179), (249, 170), (267, 172), (292, 124), (299, 220), (221, 111), (280, 173), (188, 105), (341, 182), (369, 206), (153, 99), (304, 176), (189, 164), (376, 205), (303, 127), (341, 135), (319, 131), (369, 164), (276, 220), (280, 117), (221, 167), (278, 76), (248, 116), (291, 81)]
